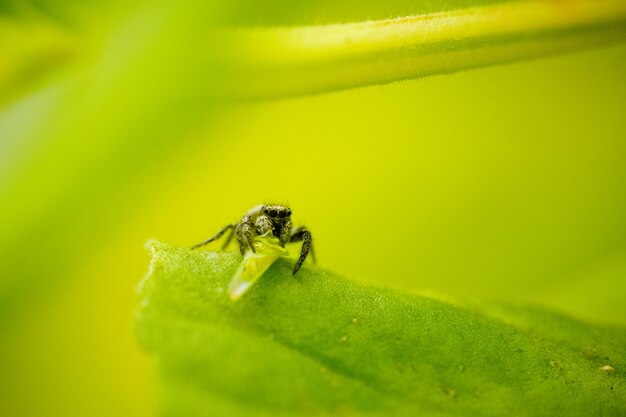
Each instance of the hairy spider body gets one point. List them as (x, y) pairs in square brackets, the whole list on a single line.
[(262, 219)]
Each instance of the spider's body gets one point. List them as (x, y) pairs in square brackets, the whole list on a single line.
[(264, 219)]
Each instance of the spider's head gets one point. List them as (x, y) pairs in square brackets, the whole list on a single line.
[(277, 212)]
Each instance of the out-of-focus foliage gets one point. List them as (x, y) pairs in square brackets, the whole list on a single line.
[(316, 344), (506, 182)]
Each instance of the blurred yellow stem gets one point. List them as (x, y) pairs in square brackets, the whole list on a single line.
[(266, 62), (270, 62)]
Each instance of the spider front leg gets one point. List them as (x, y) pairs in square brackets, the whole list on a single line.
[(217, 236), (300, 233), (245, 236)]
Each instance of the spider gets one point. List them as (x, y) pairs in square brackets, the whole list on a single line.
[(274, 218)]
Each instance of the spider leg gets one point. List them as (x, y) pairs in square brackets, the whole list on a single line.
[(240, 241), (285, 232), (229, 238), (245, 237), (217, 236), (297, 235), (301, 233)]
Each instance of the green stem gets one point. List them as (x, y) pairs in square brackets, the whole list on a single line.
[(275, 62)]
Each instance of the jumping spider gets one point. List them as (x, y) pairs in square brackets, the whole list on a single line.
[(260, 220)]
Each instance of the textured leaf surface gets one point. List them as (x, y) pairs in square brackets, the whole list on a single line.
[(317, 344)]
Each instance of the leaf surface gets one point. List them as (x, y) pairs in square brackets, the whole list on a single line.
[(318, 344)]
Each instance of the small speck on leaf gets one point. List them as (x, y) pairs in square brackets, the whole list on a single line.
[(590, 353), (607, 369), (450, 393)]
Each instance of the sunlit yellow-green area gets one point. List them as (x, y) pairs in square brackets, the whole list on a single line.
[(503, 183)]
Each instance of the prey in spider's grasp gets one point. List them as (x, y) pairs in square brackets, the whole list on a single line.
[(266, 220)]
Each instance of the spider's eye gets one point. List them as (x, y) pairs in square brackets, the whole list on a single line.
[(282, 214), (273, 213), (288, 212), (266, 211)]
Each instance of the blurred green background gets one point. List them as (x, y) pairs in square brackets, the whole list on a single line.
[(504, 183)]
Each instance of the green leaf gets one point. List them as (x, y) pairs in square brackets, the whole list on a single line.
[(317, 344)]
